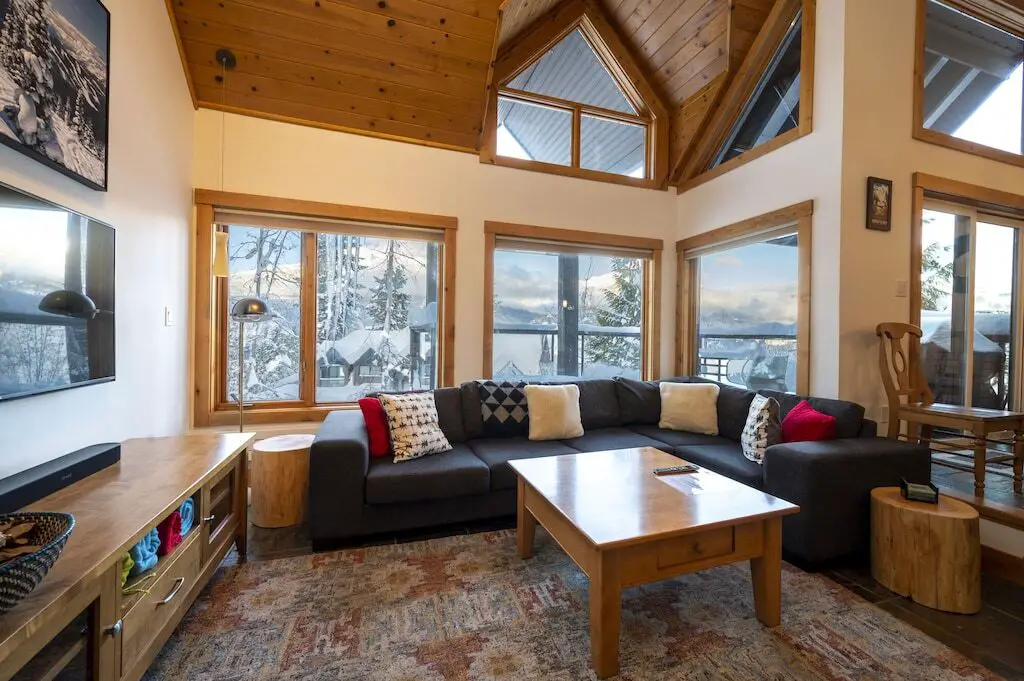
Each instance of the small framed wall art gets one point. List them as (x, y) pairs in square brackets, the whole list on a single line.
[(879, 204)]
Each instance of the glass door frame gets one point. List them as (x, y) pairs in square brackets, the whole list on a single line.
[(1016, 371)]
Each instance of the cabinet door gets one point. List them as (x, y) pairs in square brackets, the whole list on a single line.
[(223, 500)]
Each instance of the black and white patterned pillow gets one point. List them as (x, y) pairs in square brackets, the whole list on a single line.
[(412, 419), (763, 428), (504, 409)]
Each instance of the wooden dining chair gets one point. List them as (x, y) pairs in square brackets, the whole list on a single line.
[(899, 361)]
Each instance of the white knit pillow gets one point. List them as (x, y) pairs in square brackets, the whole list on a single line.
[(554, 411), (415, 432), (692, 407)]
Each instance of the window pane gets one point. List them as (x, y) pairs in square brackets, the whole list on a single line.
[(564, 315), (612, 146), (774, 106), (376, 316), (945, 261), (534, 132), (972, 79), (995, 296), (265, 263), (748, 313), (572, 71)]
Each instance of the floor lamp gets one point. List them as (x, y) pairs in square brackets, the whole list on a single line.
[(246, 311)]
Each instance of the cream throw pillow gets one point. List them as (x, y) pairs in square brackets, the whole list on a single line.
[(554, 412), (692, 407)]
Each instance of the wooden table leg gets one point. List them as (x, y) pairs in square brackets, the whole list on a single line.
[(766, 572), (526, 524), (605, 615), (980, 453), (1018, 460)]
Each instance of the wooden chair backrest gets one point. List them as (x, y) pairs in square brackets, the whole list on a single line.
[(899, 361)]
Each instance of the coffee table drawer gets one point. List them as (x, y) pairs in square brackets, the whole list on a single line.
[(691, 547)]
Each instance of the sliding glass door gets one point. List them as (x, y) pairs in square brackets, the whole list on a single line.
[(970, 306)]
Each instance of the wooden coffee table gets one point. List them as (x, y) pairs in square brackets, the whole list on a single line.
[(624, 526)]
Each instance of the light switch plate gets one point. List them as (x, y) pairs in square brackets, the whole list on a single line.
[(902, 287), (168, 317)]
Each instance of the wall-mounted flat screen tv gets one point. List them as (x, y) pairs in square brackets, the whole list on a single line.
[(56, 297)]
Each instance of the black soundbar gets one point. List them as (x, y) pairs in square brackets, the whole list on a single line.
[(21, 489)]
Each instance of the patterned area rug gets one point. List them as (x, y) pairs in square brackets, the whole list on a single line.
[(466, 607)]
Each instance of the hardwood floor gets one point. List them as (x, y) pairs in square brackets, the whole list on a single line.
[(991, 638)]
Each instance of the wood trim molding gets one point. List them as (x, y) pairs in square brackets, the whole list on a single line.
[(651, 314), (688, 285), (333, 211), (1002, 565), (483, 137), (210, 319), (742, 86), (590, 18), (993, 12), (572, 236), (968, 193), (916, 254), (744, 228)]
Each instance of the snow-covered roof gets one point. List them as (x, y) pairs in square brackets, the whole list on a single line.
[(353, 347)]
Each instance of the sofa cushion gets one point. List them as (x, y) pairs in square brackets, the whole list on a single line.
[(679, 438), (449, 414), (691, 407), (604, 439), (639, 401), (727, 460), (599, 406), (456, 473), (504, 408), (849, 416), (733, 407), (497, 452), (556, 411), (472, 416)]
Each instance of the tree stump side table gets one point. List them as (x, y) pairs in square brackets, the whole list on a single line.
[(279, 479), (929, 552)]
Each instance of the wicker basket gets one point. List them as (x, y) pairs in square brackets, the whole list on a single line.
[(18, 577)]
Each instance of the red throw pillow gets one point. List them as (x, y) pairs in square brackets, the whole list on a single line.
[(376, 426), (804, 423)]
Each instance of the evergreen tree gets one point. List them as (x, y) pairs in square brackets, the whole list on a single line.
[(622, 307), (389, 303), (339, 291)]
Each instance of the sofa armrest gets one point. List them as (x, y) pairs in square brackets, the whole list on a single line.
[(831, 481), (338, 462)]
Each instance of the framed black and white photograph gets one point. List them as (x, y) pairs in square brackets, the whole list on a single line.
[(879, 204), (55, 84)]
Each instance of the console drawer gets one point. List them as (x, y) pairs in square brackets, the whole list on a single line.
[(164, 602)]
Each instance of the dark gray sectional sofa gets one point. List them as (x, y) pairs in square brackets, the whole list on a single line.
[(352, 495)]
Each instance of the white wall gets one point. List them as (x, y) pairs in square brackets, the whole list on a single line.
[(149, 203), (877, 141), (283, 160), (809, 168)]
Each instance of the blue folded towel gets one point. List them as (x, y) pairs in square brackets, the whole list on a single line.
[(188, 516), (144, 553)]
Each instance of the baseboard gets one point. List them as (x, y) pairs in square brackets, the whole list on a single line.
[(1002, 565)]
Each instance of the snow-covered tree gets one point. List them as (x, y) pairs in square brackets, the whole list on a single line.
[(339, 291), (388, 308), (622, 306), (13, 40)]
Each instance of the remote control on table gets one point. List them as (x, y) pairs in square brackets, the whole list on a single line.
[(675, 470)]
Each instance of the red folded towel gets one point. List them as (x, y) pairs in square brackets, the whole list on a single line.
[(170, 533)]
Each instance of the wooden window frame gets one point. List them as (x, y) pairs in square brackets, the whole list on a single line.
[(210, 294), (741, 88), (799, 215), (993, 13), (548, 31), (651, 316)]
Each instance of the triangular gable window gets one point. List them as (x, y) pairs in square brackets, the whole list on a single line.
[(570, 108), (774, 106), (572, 71)]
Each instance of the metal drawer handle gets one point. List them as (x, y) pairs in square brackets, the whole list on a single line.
[(178, 583), (209, 518), (115, 628)]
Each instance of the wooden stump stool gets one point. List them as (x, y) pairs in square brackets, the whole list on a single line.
[(929, 552), (279, 479)]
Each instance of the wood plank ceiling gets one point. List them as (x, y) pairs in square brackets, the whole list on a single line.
[(418, 70)]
